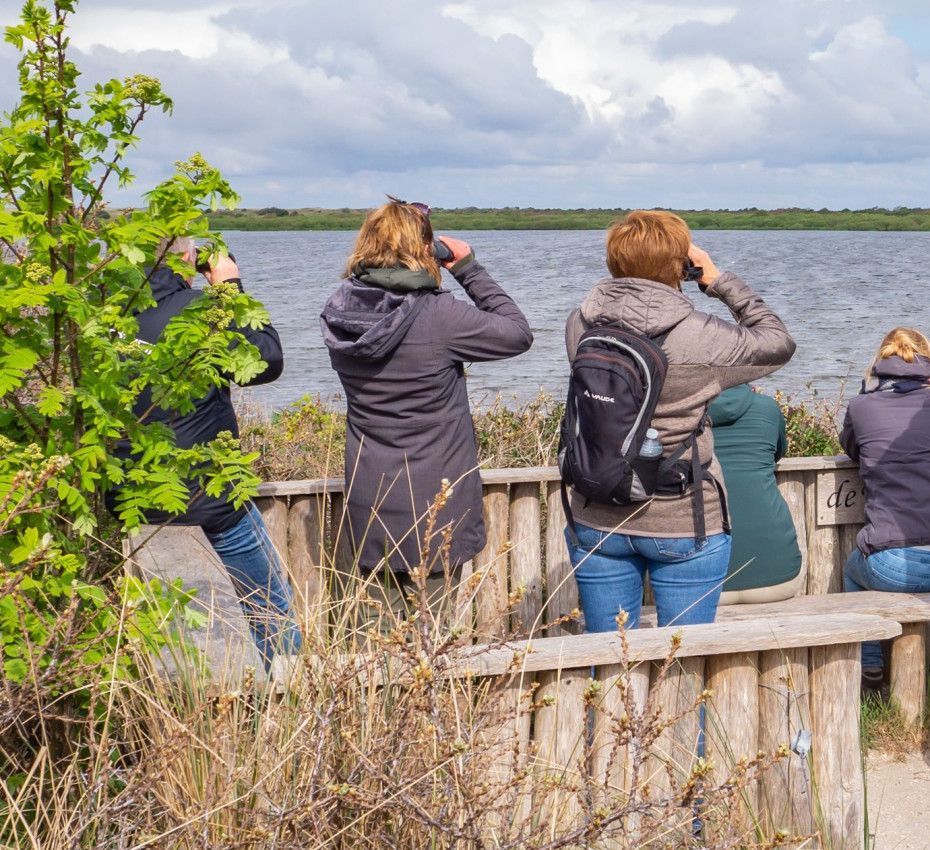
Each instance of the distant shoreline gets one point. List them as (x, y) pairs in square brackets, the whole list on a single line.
[(514, 218)]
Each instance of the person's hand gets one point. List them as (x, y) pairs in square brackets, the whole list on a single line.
[(221, 268), (459, 247), (701, 258)]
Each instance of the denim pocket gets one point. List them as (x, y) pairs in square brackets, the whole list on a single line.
[(678, 548), (589, 538)]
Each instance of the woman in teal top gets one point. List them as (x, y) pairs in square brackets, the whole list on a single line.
[(749, 436)]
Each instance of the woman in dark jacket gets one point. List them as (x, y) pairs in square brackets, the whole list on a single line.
[(749, 437), (887, 430), (399, 343)]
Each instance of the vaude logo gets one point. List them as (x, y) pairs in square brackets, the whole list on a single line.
[(597, 397)]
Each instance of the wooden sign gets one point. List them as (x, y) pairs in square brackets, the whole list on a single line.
[(840, 498)]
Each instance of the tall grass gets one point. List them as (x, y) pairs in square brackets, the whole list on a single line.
[(366, 740)]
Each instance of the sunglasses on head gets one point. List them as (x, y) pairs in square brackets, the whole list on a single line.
[(419, 207)]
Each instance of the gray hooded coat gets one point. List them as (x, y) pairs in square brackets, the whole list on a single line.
[(400, 349)]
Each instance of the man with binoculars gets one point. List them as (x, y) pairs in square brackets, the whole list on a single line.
[(238, 535)]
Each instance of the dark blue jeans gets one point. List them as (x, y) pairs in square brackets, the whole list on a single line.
[(686, 579), (896, 570), (259, 580)]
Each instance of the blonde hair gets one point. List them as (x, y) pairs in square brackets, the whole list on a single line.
[(649, 244), (906, 343), (395, 235)]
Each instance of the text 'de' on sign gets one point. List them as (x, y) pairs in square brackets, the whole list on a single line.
[(840, 498)]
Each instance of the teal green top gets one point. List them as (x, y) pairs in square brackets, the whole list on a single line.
[(749, 436)]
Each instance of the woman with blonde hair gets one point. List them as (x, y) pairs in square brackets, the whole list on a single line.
[(679, 536), (399, 343), (887, 430)]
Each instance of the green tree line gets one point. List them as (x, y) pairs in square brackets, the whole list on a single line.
[(525, 218)]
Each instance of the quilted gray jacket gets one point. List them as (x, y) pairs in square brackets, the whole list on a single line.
[(706, 356)]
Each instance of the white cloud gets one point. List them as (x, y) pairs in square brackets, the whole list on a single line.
[(546, 102)]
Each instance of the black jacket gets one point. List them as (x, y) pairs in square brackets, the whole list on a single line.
[(400, 354), (212, 414), (887, 430)]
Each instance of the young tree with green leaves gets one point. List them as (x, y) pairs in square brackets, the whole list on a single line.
[(72, 277)]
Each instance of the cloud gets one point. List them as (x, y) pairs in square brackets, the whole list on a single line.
[(544, 102)]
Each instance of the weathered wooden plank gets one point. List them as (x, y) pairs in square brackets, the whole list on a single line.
[(732, 723), (561, 590), (909, 671), (822, 548), (560, 729), (306, 531), (492, 564), (624, 691), (674, 752), (185, 553), (902, 607), (786, 796), (586, 650), (524, 475), (274, 513), (526, 555), (791, 487), (805, 464), (837, 759)]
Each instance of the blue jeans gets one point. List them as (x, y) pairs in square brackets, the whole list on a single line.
[(610, 568), (896, 570), (259, 580)]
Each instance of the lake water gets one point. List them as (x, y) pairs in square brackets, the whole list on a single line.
[(837, 292)]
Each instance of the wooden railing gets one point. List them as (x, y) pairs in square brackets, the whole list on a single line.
[(525, 544)]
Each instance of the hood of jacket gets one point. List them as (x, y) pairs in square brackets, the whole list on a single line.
[(642, 306), (369, 321), (897, 375), (165, 282), (730, 405)]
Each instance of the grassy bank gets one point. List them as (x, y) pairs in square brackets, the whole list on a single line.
[(519, 218), (307, 439)]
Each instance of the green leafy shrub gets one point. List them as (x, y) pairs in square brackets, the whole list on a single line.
[(811, 425), (72, 277)]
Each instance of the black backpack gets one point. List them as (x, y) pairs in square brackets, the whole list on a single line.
[(616, 379)]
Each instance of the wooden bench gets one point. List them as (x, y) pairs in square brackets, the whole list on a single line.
[(771, 677), (908, 652)]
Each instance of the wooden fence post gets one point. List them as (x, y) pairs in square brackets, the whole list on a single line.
[(561, 726), (274, 512), (732, 723), (909, 671), (561, 590), (306, 526), (784, 709), (624, 690), (492, 562), (791, 487), (526, 554), (837, 757)]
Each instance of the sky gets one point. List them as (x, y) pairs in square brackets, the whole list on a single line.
[(546, 103)]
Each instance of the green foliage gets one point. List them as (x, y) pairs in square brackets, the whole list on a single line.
[(71, 369), (516, 218), (811, 425)]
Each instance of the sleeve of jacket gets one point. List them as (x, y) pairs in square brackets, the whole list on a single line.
[(848, 438), (756, 345), (268, 344), (491, 328)]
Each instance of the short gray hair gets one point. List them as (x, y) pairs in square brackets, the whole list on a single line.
[(175, 245)]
